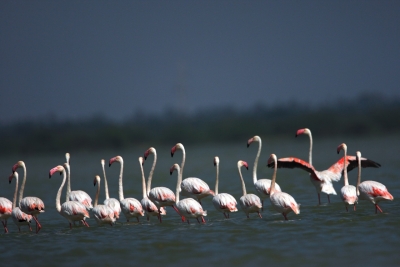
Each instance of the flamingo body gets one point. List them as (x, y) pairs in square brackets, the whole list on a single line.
[(250, 203), (82, 197), (190, 208), (5, 211), (103, 214), (349, 195), (162, 196), (374, 192), (284, 203), (224, 203), (115, 205), (74, 211), (131, 208), (195, 188), (21, 218)]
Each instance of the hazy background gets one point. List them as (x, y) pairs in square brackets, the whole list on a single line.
[(75, 59)]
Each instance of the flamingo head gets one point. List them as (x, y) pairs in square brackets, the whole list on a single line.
[(303, 131), (17, 165), (271, 160), (114, 159), (151, 150), (174, 167), (243, 163), (67, 157), (102, 162), (141, 161), (96, 180), (12, 175), (59, 169), (175, 147), (216, 161), (358, 155), (255, 138), (342, 146)]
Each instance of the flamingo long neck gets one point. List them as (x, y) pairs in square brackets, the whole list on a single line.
[(216, 180), (105, 182), (144, 182), (21, 190), (150, 178), (256, 162), (310, 151), (272, 189), (345, 178), (15, 193), (68, 170), (96, 200), (58, 204), (358, 175), (120, 185), (183, 160), (178, 184), (241, 178)]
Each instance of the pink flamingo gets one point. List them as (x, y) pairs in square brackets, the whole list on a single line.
[(102, 213), (322, 180), (348, 192), (188, 207), (371, 190), (281, 201), (130, 207), (147, 204), (161, 196), (72, 210), (113, 203), (20, 218), (192, 187), (76, 195), (29, 205), (222, 202), (262, 186), (249, 203)]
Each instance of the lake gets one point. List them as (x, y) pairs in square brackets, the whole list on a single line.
[(323, 235)]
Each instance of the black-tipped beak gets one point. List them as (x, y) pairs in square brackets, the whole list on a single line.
[(215, 164), (9, 182), (145, 158), (170, 173), (109, 164), (296, 135), (49, 175), (172, 154), (247, 168), (248, 144), (60, 173), (94, 184)]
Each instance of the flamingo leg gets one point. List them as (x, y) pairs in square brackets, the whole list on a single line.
[(70, 225), (378, 208), (262, 203), (197, 218), (284, 215), (137, 219), (329, 201), (354, 207), (5, 227), (319, 199), (248, 217), (228, 214), (188, 221), (38, 226), (225, 216), (202, 219), (259, 214), (85, 223), (347, 208)]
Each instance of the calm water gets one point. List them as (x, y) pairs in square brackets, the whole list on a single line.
[(323, 235)]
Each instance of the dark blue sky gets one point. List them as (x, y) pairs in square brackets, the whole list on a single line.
[(74, 59)]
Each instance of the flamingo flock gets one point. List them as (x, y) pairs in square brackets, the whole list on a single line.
[(78, 205)]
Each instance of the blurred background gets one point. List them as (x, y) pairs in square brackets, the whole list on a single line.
[(79, 75)]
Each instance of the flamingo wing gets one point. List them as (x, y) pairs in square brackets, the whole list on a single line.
[(365, 163), (291, 163)]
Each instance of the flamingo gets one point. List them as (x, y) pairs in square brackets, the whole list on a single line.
[(249, 203), (130, 207), (348, 192), (76, 195), (102, 213), (188, 207), (223, 202), (29, 205), (72, 210), (322, 180), (192, 187), (113, 203), (371, 190), (281, 201), (147, 204), (20, 218), (161, 196), (262, 186)]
